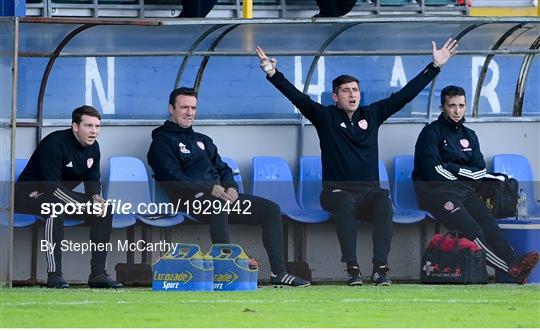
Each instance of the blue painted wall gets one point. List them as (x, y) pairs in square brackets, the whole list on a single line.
[(138, 88)]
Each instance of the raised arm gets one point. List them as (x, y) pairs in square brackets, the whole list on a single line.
[(391, 105), (309, 108)]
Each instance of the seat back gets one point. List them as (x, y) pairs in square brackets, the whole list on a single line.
[(383, 176), (20, 164), (127, 182), (272, 179), (310, 182), (403, 194), (22, 220), (236, 172), (518, 167)]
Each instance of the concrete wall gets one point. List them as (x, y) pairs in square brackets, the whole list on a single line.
[(244, 142)]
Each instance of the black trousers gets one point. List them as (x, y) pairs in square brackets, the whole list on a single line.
[(247, 209), (31, 201), (470, 216), (370, 204), (196, 8), (335, 8)]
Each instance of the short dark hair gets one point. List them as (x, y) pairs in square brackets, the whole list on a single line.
[(181, 91), (77, 114), (451, 91), (343, 79)]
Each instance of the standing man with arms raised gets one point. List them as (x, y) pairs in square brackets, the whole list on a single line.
[(348, 135)]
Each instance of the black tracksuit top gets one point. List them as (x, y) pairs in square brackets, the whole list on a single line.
[(60, 161), (187, 159), (447, 157), (349, 148)]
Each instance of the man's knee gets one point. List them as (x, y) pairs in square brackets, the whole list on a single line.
[(382, 204), (382, 199), (342, 205), (269, 208)]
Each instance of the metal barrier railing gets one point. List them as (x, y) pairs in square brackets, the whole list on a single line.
[(232, 8)]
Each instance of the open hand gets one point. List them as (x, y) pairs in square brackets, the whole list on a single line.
[(441, 56)]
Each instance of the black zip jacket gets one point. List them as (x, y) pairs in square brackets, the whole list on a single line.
[(187, 160), (447, 158), (60, 162), (349, 148)]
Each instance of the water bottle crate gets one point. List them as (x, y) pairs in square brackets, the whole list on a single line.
[(232, 270), (185, 268)]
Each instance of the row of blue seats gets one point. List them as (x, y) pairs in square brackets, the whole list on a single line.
[(128, 182)]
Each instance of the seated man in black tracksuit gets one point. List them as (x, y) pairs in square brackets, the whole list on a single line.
[(447, 161), (61, 161), (348, 135), (188, 166)]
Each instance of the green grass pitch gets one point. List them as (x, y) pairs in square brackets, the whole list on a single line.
[(400, 305)]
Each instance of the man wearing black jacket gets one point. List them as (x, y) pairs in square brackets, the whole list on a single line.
[(348, 135), (61, 161), (447, 162), (188, 166)]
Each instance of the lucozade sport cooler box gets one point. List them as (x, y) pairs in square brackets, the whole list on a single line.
[(231, 269), (183, 269)]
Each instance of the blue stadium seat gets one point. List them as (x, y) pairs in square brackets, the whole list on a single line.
[(166, 217), (127, 183), (159, 196), (403, 193), (236, 172), (518, 167), (22, 220), (384, 180), (310, 182), (272, 179)]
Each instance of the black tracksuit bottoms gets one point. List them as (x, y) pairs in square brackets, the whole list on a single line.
[(251, 210), (367, 204), (100, 227), (470, 216)]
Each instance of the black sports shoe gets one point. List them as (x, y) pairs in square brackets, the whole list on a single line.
[(522, 266), (102, 280), (55, 280), (288, 280), (379, 275), (355, 276)]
